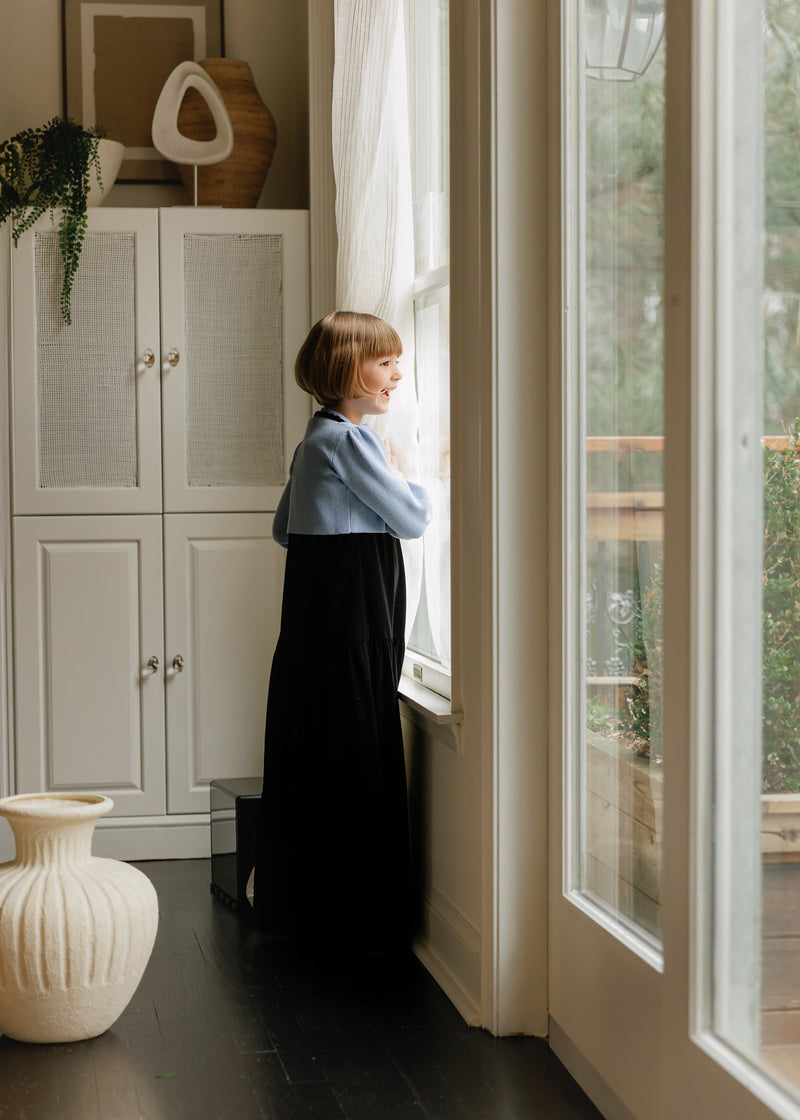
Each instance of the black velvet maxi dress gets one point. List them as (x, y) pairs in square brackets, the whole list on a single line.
[(332, 858)]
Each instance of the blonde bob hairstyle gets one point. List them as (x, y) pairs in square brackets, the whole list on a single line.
[(329, 363)]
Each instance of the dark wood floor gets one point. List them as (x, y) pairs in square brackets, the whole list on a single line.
[(226, 1025)]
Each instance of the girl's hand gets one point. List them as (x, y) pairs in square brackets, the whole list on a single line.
[(392, 457)]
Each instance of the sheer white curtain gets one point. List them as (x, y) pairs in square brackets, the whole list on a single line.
[(374, 213)]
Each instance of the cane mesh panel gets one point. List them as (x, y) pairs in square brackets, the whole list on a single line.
[(85, 373), (234, 359)]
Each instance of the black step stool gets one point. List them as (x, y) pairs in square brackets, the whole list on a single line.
[(234, 812)]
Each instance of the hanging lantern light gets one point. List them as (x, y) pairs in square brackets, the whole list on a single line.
[(622, 37)]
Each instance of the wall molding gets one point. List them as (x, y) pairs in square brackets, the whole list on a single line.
[(449, 947), (133, 838)]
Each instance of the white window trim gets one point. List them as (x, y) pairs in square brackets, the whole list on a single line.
[(426, 684), (432, 281)]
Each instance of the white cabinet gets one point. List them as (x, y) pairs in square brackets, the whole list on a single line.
[(186, 323), (88, 617), (86, 429), (224, 577), (151, 440), (234, 304)]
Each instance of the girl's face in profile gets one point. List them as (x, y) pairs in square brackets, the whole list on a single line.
[(381, 377)]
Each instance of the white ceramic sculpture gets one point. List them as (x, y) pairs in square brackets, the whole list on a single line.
[(172, 144), (76, 931)]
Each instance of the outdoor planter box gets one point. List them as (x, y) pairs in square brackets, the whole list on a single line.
[(780, 847)]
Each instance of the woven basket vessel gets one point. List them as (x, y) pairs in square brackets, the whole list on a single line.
[(238, 180)]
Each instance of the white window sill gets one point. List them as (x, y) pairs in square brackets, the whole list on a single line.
[(430, 704), (432, 713)]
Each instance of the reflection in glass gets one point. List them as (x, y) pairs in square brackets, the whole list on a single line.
[(622, 396), (622, 37)]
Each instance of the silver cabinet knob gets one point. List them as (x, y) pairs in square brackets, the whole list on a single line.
[(173, 357), (177, 663), (149, 358), (153, 664)]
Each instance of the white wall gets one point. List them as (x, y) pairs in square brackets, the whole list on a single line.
[(270, 35)]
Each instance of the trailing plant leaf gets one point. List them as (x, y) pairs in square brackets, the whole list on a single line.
[(48, 168)]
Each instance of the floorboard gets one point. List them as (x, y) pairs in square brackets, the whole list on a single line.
[(226, 1024)]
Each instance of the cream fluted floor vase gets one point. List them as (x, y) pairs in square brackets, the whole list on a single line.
[(76, 931)]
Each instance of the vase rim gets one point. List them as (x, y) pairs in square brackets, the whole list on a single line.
[(55, 806)]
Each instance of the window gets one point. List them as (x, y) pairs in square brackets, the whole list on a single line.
[(428, 658)]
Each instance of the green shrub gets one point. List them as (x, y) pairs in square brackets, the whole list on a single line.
[(781, 607), (641, 721)]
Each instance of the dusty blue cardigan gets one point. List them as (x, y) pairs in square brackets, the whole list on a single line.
[(341, 482)]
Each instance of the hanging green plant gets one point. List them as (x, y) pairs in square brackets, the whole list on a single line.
[(48, 168)]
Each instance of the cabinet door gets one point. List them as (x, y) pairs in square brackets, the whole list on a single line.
[(234, 293), (87, 619), (87, 423), (224, 576)]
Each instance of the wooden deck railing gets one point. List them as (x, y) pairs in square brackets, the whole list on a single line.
[(634, 515)]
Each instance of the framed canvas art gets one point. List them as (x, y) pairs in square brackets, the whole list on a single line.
[(117, 56)]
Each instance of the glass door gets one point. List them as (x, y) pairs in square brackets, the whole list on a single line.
[(745, 909), (605, 937), (674, 935)]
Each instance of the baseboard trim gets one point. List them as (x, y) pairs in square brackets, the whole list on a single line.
[(464, 1004), (449, 948), (142, 838), (594, 1086)]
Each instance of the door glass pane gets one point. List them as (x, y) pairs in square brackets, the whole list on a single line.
[(428, 647), (431, 631), (618, 256), (756, 941), (780, 754)]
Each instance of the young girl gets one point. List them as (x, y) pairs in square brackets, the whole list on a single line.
[(332, 860)]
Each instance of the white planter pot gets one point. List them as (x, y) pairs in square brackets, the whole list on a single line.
[(76, 931), (111, 153)]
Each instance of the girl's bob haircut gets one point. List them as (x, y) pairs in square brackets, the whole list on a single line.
[(329, 363)]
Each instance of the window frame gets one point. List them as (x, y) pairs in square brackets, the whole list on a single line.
[(420, 671)]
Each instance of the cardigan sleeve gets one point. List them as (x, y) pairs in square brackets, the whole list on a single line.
[(360, 461), (280, 522)]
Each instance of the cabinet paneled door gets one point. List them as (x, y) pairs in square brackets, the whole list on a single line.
[(151, 440)]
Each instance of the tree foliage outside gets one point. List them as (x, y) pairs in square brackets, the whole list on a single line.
[(782, 216), (624, 359), (624, 169), (639, 725)]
